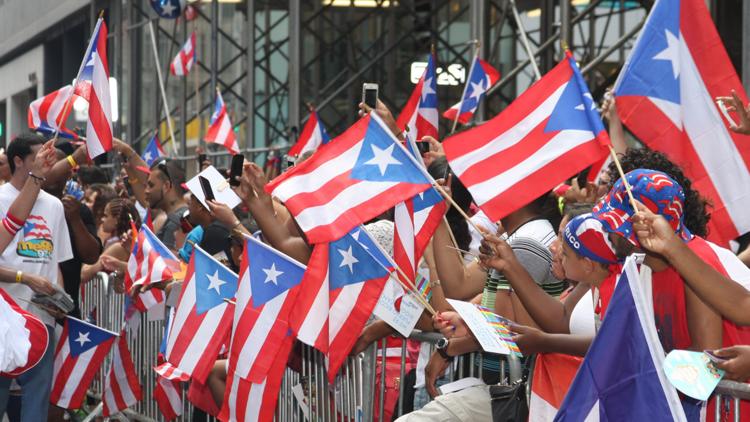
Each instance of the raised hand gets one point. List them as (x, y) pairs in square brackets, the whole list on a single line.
[(45, 159), (495, 253), (223, 213), (734, 103), (653, 231)]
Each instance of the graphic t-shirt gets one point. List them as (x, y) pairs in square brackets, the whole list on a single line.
[(37, 248)]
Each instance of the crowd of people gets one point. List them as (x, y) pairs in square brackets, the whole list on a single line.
[(550, 266)]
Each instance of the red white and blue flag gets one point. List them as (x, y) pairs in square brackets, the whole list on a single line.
[(481, 78), (342, 285), (354, 178), (203, 317), (247, 401), (549, 133), (313, 136), (420, 114), (220, 130), (93, 85), (47, 114), (80, 353), (415, 221), (266, 294), (665, 97), (168, 390), (153, 150), (150, 262), (623, 373), (121, 387), (183, 62)]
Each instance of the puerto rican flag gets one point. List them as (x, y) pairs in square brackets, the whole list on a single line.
[(553, 374), (549, 133), (183, 61), (80, 353), (150, 262), (247, 401), (153, 150), (313, 136), (481, 78), (622, 373), (415, 221), (665, 97), (266, 295), (93, 85), (420, 114), (353, 179), (121, 387), (221, 130), (203, 317), (46, 114), (168, 390), (343, 282)]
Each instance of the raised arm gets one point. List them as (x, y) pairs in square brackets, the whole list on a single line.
[(21, 207)]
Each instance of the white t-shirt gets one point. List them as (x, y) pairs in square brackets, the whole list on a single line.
[(38, 247), (582, 319), (484, 222)]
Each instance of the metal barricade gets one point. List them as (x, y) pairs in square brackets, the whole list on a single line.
[(730, 393), (305, 395)]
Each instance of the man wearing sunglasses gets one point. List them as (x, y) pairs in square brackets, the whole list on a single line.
[(164, 191)]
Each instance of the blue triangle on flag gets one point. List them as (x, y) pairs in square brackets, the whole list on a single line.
[(381, 160), (575, 108), (213, 282), (426, 199), (654, 66), (271, 273), (351, 263), (83, 337)]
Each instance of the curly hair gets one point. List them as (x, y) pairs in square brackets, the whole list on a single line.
[(696, 213), (123, 210)]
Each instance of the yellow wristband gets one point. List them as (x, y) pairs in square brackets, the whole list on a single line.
[(19, 276), (71, 161)]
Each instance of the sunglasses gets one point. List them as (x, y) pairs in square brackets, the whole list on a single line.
[(162, 166)]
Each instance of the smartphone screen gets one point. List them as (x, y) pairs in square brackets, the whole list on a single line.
[(238, 160), (423, 147), (370, 94), (208, 193)]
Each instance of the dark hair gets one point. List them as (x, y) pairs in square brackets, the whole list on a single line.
[(105, 194), (21, 147), (548, 208), (122, 210), (696, 215), (463, 198), (574, 209), (170, 170), (90, 175)]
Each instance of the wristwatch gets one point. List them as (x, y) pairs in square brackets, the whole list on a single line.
[(442, 348)]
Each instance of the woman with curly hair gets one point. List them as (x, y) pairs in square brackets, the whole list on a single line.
[(115, 219)]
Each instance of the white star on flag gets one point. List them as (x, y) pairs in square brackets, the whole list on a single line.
[(581, 106), (168, 8), (214, 282), (272, 274), (427, 89), (477, 89), (671, 53), (348, 259), (90, 63), (83, 338), (147, 156), (383, 158)]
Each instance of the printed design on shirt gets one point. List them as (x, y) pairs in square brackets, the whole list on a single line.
[(37, 239)]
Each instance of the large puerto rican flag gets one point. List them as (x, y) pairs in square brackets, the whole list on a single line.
[(93, 85), (313, 136), (80, 353), (203, 317), (549, 133), (349, 181), (420, 114), (665, 97)]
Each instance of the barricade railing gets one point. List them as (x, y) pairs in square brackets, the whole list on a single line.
[(357, 394), (730, 393)]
